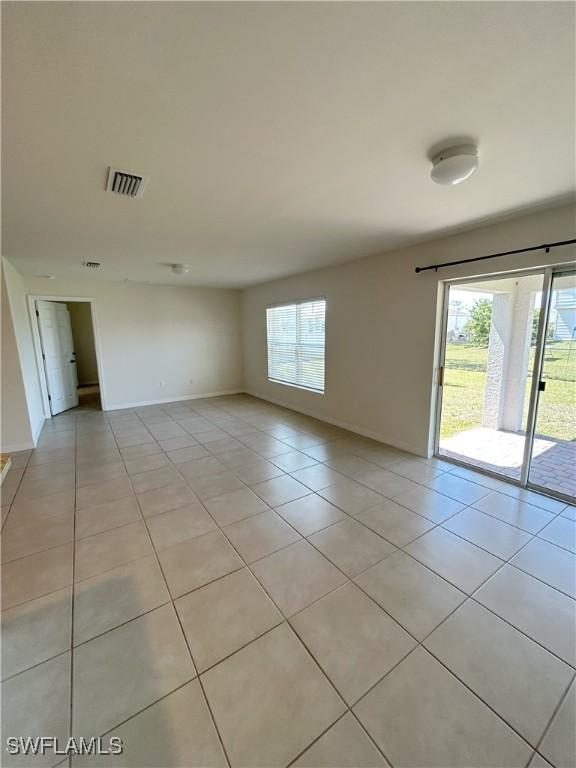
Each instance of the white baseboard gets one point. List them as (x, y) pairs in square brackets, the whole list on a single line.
[(372, 435), (15, 447), (163, 401)]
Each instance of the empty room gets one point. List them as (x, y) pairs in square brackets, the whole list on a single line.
[(288, 385)]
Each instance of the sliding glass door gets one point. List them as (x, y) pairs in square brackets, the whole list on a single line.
[(507, 384), (553, 457)]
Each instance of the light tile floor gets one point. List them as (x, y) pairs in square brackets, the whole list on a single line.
[(226, 582)]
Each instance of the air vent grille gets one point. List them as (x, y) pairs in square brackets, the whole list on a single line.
[(92, 264), (126, 183)]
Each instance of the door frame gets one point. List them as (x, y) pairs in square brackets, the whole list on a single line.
[(31, 300), (556, 271), (536, 376), (548, 273)]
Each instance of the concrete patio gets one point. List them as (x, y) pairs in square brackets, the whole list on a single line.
[(553, 462)]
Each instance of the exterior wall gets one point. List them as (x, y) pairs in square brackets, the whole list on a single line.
[(565, 325), (516, 370), (508, 352), (497, 365)]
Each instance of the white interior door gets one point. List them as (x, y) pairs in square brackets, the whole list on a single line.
[(58, 353)]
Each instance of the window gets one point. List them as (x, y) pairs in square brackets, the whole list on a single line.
[(296, 344)]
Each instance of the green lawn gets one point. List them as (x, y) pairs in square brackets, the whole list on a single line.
[(464, 380)]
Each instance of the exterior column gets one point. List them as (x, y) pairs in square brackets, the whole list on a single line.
[(498, 345), (518, 356)]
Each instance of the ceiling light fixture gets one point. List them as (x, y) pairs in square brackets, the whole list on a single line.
[(180, 269), (454, 164)]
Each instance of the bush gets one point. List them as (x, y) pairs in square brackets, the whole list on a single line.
[(478, 326)]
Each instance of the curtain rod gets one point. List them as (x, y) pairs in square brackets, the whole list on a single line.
[(544, 247)]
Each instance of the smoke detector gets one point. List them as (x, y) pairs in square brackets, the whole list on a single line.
[(180, 269), (454, 164), (126, 183)]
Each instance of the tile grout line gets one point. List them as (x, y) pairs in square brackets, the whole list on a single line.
[(558, 707), (441, 525), (421, 643), (359, 521), (376, 532), (209, 707), (207, 703), (396, 500), (72, 605), (220, 528), (317, 739), (10, 506), (349, 708), (441, 474), (148, 706), (418, 645), (503, 483), (471, 597), (219, 578), (284, 621), (348, 578)]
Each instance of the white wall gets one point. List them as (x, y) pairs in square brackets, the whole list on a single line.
[(26, 426), (157, 343), (381, 325), (161, 343), (84, 346), (15, 429)]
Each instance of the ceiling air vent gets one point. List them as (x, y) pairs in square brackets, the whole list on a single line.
[(92, 264), (126, 183)]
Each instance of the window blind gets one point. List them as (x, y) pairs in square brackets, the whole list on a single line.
[(296, 334)]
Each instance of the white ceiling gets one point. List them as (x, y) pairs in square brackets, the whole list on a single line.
[(279, 137)]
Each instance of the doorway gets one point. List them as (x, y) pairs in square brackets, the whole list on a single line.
[(507, 384), (67, 354), (85, 348)]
